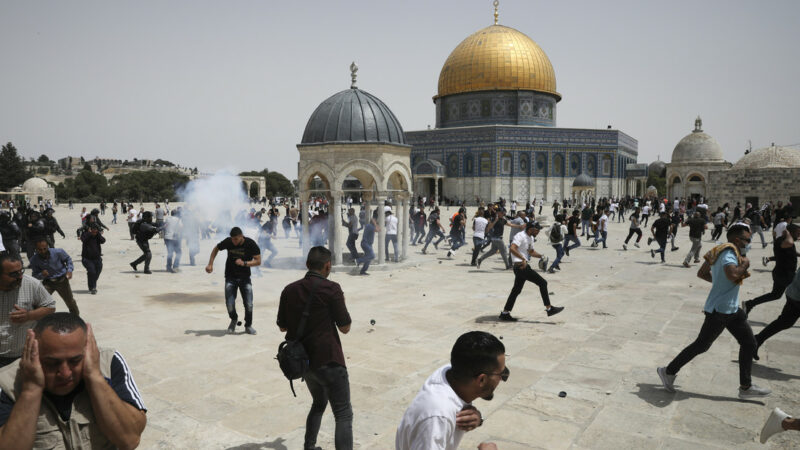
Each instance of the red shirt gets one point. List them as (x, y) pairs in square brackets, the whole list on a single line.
[(328, 311)]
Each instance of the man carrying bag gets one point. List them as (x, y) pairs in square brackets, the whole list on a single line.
[(310, 312)]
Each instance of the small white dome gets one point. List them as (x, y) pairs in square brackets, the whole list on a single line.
[(34, 184), (697, 146), (772, 156)]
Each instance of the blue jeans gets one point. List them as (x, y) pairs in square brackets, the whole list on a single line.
[(173, 247), (571, 238), (456, 241), (329, 383), (586, 227), (433, 231), (600, 236), (559, 254), (478, 243), (369, 255), (393, 239), (246, 288)]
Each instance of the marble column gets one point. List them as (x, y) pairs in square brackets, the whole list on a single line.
[(303, 211), (406, 227), (335, 236), (381, 199)]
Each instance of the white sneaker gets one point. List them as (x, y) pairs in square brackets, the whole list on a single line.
[(666, 379), (754, 391), (773, 425)]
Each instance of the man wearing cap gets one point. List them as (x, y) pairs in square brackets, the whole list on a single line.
[(521, 250)]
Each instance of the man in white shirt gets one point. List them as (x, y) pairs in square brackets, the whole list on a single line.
[(172, 240), (391, 234), (442, 411), (521, 250), (602, 230), (645, 213), (479, 235), (133, 216)]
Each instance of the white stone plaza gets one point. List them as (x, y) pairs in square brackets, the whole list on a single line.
[(625, 315)]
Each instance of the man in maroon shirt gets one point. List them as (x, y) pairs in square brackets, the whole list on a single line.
[(327, 378)]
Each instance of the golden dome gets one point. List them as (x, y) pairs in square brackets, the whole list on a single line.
[(497, 58)]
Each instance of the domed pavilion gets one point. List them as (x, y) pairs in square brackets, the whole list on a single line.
[(693, 158), (353, 145), (495, 129)]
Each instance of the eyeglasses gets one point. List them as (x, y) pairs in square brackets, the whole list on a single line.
[(17, 274), (503, 375)]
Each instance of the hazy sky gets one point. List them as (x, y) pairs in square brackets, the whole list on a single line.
[(231, 84)]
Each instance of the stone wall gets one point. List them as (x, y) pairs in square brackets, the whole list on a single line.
[(772, 184)]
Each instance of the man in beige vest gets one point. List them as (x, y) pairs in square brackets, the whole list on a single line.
[(65, 393)]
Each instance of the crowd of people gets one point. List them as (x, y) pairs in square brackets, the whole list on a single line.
[(54, 355)]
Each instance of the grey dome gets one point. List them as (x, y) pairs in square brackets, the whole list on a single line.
[(34, 184), (772, 156), (353, 115), (583, 180), (657, 168), (697, 146)]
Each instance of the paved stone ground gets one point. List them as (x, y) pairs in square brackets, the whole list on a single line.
[(625, 315)]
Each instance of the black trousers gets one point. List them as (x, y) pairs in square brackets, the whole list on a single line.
[(521, 275), (633, 231), (780, 281), (713, 325), (146, 254), (787, 319)]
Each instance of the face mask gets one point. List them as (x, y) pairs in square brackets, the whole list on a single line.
[(744, 250)]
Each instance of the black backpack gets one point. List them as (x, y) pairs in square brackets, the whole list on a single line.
[(292, 355)]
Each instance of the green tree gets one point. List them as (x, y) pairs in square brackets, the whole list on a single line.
[(43, 159), (148, 186), (13, 171), (87, 186)]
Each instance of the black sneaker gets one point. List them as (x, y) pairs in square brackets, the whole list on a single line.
[(649, 241), (554, 310), (506, 317), (134, 267), (652, 253), (147, 271)]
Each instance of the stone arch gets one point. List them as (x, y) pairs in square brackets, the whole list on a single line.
[(254, 190), (315, 168), (696, 178), (367, 172), (399, 176)]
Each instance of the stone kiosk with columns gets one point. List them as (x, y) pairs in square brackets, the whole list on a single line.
[(353, 134), (693, 158)]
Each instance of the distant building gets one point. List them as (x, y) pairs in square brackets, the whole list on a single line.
[(695, 156)]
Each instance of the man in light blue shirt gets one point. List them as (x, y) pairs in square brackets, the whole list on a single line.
[(53, 267), (725, 270)]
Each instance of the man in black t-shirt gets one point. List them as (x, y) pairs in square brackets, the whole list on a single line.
[(660, 230), (697, 227), (785, 267), (243, 253)]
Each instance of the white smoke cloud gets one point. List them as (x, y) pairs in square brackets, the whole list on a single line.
[(219, 198)]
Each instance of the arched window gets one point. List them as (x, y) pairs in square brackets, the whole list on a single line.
[(541, 165), (523, 165), (506, 163), (695, 178), (676, 180), (558, 165), (590, 166), (468, 164), (486, 164), (574, 165), (452, 166)]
